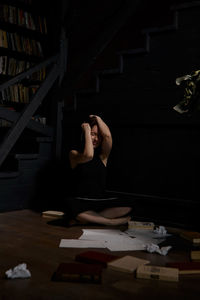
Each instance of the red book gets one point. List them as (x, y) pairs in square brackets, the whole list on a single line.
[(95, 257), (185, 267), (192, 236), (78, 272)]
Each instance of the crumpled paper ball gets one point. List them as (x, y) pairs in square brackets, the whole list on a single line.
[(155, 248), (20, 271)]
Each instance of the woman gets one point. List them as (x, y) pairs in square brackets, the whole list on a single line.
[(90, 202)]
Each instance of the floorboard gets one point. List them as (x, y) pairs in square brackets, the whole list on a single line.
[(27, 237)]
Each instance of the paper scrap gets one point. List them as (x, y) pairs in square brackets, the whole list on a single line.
[(160, 230), (155, 248), (20, 271)]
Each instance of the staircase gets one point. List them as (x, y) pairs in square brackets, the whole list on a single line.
[(19, 172), (156, 151), (28, 146)]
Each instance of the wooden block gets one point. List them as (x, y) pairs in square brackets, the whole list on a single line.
[(185, 267), (78, 272), (156, 272), (192, 236), (140, 225), (127, 264), (95, 257), (195, 255), (52, 214)]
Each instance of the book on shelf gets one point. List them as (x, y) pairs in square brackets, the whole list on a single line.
[(127, 263), (158, 273), (185, 267), (192, 236), (3, 39), (78, 272), (95, 257)]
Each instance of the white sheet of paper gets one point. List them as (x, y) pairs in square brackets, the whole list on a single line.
[(114, 240), (102, 235), (132, 244), (70, 243)]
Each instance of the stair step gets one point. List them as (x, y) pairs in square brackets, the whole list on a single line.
[(159, 29), (10, 164), (27, 156), (9, 174), (86, 91), (185, 5), (133, 51), (44, 139), (109, 71)]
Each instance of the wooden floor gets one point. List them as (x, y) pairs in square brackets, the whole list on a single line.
[(26, 237)]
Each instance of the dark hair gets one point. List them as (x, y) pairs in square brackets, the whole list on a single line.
[(92, 122)]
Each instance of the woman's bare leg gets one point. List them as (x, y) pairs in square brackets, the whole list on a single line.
[(93, 217), (115, 212)]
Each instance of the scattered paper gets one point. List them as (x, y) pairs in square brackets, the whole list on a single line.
[(160, 230), (20, 271), (70, 243), (155, 248), (147, 236), (114, 240)]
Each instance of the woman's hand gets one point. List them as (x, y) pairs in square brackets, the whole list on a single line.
[(86, 127), (94, 117)]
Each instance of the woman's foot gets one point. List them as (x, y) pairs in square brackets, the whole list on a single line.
[(119, 221), (75, 222)]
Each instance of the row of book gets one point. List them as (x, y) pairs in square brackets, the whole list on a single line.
[(17, 93), (19, 43), (17, 16), (11, 67)]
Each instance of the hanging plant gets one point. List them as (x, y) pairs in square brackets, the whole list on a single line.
[(191, 94)]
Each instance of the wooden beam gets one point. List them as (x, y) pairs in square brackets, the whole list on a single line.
[(13, 116), (23, 75)]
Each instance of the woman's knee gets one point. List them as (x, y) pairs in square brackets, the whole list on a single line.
[(127, 210)]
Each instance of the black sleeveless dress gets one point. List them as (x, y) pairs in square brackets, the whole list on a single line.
[(89, 189)]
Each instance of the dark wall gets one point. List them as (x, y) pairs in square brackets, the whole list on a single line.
[(155, 150)]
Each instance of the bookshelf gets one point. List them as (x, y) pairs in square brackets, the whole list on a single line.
[(23, 38)]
